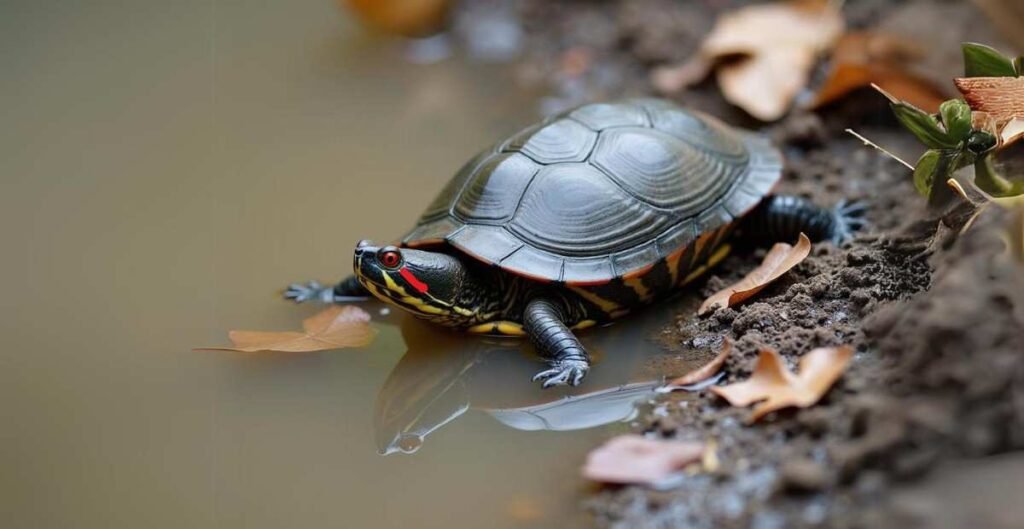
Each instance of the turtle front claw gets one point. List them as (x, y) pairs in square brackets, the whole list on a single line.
[(311, 291), (563, 373)]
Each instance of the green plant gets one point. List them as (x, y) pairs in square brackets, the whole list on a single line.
[(958, 135)]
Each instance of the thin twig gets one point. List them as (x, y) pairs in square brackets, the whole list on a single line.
[(887, 153)]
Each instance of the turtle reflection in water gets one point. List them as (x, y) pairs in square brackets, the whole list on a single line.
[(579, 220), (443, 376)]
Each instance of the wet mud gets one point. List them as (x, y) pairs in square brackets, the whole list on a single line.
[(936, 316)]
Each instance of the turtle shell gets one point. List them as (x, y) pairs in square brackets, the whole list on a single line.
[(600, 191)]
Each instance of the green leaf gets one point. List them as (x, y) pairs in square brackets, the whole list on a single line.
[(984, 61), (1018, 64), (956, 116), (923, 125), (924, 171)]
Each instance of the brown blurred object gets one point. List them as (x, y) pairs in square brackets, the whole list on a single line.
[(524, 509), (412, 18), (1008, 16), (762, 54), (862, 58)]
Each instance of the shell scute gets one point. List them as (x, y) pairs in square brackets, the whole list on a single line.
[(559, 141), (485, 197)]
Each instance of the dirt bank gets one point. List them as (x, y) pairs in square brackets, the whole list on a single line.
[(937, 321)]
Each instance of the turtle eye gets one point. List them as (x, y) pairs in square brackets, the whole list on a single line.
[(390, 257)]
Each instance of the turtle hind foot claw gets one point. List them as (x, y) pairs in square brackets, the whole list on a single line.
[(847, 218)]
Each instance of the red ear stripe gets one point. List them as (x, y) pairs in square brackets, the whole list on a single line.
[(411, 279)]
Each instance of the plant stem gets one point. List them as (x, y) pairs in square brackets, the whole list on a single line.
[(986, 177)]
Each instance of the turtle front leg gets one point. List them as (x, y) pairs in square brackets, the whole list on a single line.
[(568, 361), (348, 289), (783, 218)]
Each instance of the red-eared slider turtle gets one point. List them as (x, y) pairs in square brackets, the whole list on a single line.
[(577, 220)]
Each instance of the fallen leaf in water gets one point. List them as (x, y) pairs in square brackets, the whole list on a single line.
[(778, 44), (779, 260), (334, 328), (774, 386), (707, 370), (861, 59), (636, 459), (1001, 97)]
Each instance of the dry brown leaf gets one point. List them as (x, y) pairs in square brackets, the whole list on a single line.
[(635, 459), (861, 59), (780, 259), (1001, 97), (776, 387), (707, 370), (1012, 131), (336, 327), (778, 44)]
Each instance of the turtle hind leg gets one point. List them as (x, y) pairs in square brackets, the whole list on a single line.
[(348, 289), (784, 217), (568, 361)]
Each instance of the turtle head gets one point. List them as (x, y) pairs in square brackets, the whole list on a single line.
[(427, 284)]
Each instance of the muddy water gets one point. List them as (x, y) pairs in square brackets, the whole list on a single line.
[(165, 167)]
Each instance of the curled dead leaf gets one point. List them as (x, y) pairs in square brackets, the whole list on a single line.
[(1001, 97), (707, 370), (773, 386), (636, 459), (336, 327), (779, 260), (861, 59)]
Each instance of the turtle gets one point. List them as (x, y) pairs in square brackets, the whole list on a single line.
[(580, 219)]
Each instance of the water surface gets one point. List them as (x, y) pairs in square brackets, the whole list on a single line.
[(166, 167)]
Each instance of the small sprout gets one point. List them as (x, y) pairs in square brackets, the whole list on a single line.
[(984, 61), (956, 117), (970, 130)]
